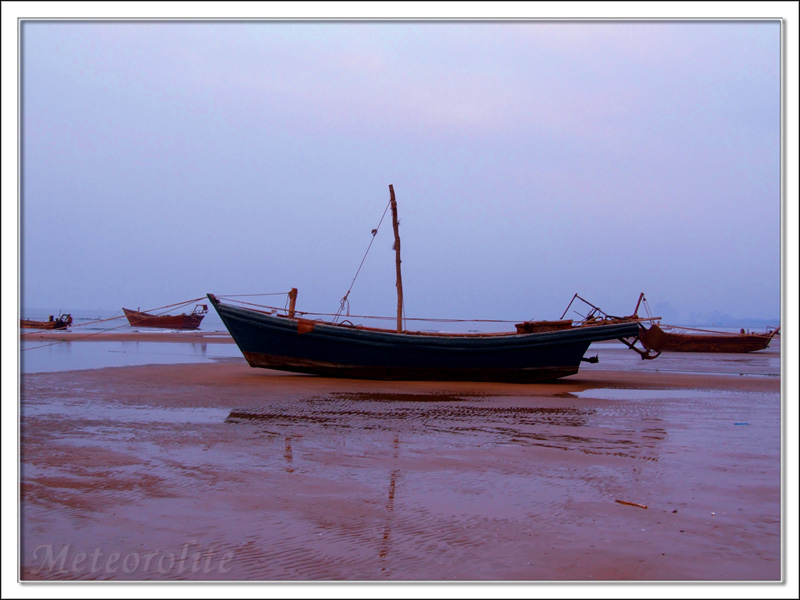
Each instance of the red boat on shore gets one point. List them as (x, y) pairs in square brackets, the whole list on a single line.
[(184, 321), (658, 340)]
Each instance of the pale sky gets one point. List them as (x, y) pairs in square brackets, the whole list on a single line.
[(531, 161)]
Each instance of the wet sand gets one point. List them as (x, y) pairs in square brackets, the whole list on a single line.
[(223, 472)]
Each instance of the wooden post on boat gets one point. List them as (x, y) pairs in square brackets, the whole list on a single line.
[(636, 311), (292, 301), (395, 225)]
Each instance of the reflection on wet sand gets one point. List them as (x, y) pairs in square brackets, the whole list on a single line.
[(387, 532), (571, 428), (287, 454)]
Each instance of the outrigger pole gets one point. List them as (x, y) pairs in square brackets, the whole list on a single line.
[(596, 309), (395, 225)]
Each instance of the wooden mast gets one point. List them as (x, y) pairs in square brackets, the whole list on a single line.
[(395, 225)]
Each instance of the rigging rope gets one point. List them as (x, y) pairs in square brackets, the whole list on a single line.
[(432, 320), (647, 308), (114, 318), (245, 295), (344, 298), (83, 337)]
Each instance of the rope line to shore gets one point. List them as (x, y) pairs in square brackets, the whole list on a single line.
[(83, 337), (152, 310), (149, 310)]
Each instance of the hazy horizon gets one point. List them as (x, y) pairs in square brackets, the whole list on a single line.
[(531, 161)]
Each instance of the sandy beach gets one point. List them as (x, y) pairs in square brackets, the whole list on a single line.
[(227, 473)]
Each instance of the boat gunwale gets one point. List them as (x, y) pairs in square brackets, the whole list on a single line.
[(183, 322), (375, 335)]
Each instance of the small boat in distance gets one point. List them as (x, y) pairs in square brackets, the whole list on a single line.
[(658, 340), (536, 351), (62, 322), (184, 321)]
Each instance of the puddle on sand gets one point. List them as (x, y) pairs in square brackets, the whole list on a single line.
[(36, 357), (400, 397), (128, 414), (645, 394)]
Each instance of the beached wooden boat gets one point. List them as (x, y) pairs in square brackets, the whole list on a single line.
[(656, 339), (183, 321), (62, 322), (306, 346), (538, 350)]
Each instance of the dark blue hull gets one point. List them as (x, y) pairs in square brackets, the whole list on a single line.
[(299, 345)]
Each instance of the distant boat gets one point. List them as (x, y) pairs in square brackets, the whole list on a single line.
[(677, 339), (62, 322), (184, 321), (658, 340), (537, 351)]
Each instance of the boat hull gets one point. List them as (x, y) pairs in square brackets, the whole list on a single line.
[(48, 325), (299, 345), (140, 319), (659, 340)]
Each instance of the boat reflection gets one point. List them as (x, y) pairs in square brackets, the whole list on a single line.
[(287, 454), (387, 531), (561, 423)]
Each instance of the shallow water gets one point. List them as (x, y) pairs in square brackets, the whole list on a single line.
[(127, 414), (613, 356), (48, 357), (639, 394)]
